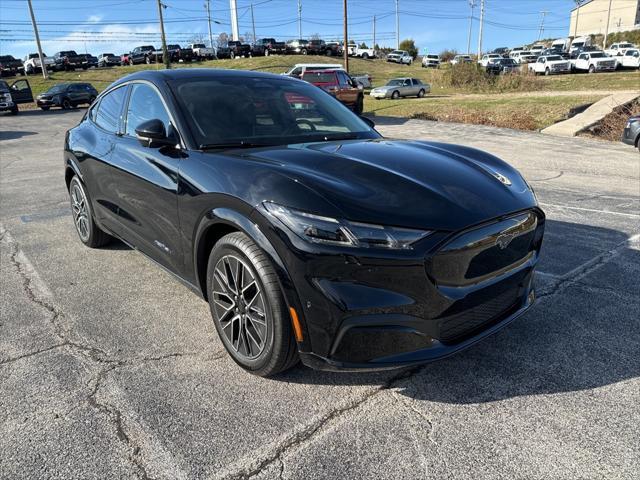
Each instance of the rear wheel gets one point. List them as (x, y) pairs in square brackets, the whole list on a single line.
[(266, 52), (147, 60), (365, 56), (232, 55), (248, 308), (90, 234), (304, 51), (421, 93)]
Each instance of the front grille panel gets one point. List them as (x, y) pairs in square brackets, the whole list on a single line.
[(486, 251)]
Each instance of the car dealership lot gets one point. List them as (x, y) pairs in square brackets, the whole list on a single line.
[(111, 368)]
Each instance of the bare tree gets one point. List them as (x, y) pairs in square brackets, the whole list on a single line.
[(315, 36), (222, 40)]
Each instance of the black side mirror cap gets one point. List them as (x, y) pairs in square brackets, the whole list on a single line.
[(368, 121), (153, 134)]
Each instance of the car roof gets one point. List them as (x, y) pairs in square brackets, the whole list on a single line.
[(194, 73), (327, 70)]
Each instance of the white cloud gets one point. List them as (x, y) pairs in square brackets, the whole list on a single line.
[(94, 18)]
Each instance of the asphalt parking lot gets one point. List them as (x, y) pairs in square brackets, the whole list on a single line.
[(110, 368)]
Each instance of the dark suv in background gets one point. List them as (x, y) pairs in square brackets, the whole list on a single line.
[(67, 96)]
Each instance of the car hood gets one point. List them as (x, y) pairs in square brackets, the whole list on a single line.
[(404, 183)]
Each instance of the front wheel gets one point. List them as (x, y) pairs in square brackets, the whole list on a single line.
[(547, 72), (90, 234), (266, 52), (592, 69), (304, 51), (248, 307), (232, 55), (359, 108), (66, 104), (395, 95), (14, 110), (147, 60)]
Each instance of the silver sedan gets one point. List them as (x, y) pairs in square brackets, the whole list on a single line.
[(401, 87)]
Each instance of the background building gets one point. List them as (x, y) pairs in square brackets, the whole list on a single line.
[(591, 17)]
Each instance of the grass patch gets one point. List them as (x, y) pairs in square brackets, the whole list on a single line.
[(612, 125), (525, 113)]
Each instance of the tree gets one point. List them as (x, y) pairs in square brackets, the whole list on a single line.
[(222, 40), (447, 55), (363, 45), (315, 36), (410, 46)]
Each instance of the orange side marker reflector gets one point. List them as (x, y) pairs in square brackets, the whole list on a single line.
[(297, 328)]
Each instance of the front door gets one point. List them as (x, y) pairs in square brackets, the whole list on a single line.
[(145, 180), (21, 92)]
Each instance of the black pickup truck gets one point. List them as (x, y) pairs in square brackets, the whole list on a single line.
[(268, 46), (143, 54), (68, 60), (9, 66), (88, 60), (14, 94), (176, 54), (239, 49)]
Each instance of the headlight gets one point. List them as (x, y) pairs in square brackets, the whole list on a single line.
[(332, 231)]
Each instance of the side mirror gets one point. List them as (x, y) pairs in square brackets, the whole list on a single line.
[(152, 134), (368, 121)]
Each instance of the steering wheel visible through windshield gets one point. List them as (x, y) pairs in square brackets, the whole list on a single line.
[(256, 111)]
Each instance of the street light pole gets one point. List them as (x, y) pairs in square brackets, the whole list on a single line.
[(480, 32), (165, 51), (472, 4), (345, 50), (606, 32), (208, 7), (397, 25)]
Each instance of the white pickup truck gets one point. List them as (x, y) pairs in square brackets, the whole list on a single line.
[(549, 65), (630, 59), (594, 62), (32, 65), (618, 49), (356, 51), (202, 52)]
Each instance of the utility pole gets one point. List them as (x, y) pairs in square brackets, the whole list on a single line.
[(397, 25), (299, 19), (253, 23), (575, 28), (165, 52), (544, 13), (35, 31), (472, 4), (208, 7), (606, 32), (480, 32), (345, 50), (374, 32), (233, 7)]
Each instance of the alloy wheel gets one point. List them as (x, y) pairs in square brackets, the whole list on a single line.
[(80, 211), (239, 307)]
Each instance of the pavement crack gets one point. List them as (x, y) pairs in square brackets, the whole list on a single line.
[(118, 420), (574, 276), (32, 354), (309, 431)]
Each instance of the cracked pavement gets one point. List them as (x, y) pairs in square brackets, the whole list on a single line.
[(110, 368)]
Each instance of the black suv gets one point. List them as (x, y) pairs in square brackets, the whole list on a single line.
[(316, 47), (14, 94), (67, 95)]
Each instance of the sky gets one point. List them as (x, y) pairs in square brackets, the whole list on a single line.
[(117, 26)]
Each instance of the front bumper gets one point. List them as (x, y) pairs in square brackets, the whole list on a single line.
[(6, 106), (630, 133), (379, 94), (395, 309)]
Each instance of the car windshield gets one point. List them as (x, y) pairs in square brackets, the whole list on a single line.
[(554, 58), (57, 88), (395, 82), (198, 45), (507, 61), (598, 55), (397, 52), (319, 77), (244, 111)]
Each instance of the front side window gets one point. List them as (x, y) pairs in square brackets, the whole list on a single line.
[(263, 111), (145, 104), (109, 110)]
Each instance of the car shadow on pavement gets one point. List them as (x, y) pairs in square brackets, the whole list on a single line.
[(14, 134), (53, 111), (582, 334)]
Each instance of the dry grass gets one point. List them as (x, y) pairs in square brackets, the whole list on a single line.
[(611, 126), (517, 120)]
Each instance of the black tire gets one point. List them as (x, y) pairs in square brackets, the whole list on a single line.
[(266, 52), (232, 55), (329, 52), (395, 95), (547, 72), (365, 56), (44, 109), (303, 51), (94, 237), (66, 104), (359, 108), (279, 351), (14, 110), (592, 69), (147, 60), (421, 93)]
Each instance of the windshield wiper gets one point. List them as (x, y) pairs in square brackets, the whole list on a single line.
[(240, 144)]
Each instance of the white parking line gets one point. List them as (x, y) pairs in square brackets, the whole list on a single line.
[(634, 215)]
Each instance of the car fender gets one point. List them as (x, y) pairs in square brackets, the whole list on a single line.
[(249, 221)]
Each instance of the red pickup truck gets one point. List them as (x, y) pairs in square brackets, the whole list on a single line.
[(339, 84)]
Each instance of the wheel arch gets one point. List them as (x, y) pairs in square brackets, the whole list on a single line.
[(217, 223)]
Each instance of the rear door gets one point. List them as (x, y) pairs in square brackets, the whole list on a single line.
[(146, 182), (21, 92), (348, 92)]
